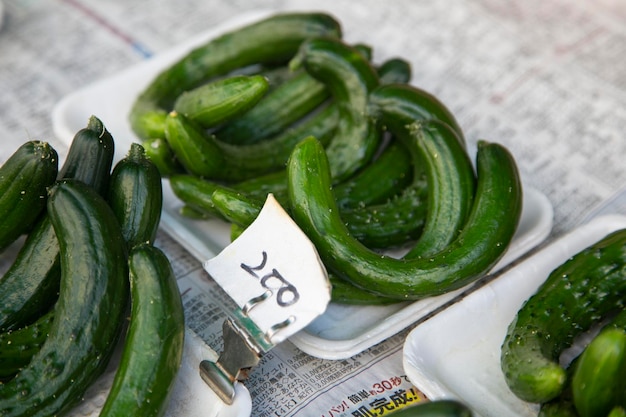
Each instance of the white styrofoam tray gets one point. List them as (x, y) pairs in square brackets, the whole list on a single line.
[(456, 354), (343, 330)]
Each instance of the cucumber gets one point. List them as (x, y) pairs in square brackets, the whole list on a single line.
[(90, 156), (219, 101), (575, 296), (599, 381), (435, 408), (273, 40), (349, 77), (279, 109), (89, 312), (136, 196), (482, 242), (17, 347), (161, 155), (24, 178), (153, 348), (30, 285)]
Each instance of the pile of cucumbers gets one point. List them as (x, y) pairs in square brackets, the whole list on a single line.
[(587, 293), (363, 161), (86, 276)]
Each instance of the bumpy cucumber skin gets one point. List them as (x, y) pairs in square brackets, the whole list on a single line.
[(349, 77), (136, 196), (154, 342), (483, 241), (30, 285), (24, 178), (89, 312), (222, 100), (575, 295), (273, 40), (598, 384)]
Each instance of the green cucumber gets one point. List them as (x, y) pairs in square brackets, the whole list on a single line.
[(17, 347), (575, 296), (435, 408), (136, 196), (222, 100), (349, 77), (279, 109), (480, 245), (90, 156), (408, 104), (153, 348), (89, 312), (24, 179), (599, 381), (272, 40), (394, 71), (161, 154), (30, 285), (387, 175)]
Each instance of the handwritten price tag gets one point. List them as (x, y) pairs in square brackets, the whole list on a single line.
[(274, 274)]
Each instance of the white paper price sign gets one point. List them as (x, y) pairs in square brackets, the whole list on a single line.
[(274, 274)]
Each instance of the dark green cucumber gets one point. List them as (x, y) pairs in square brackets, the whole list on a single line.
[(273, 40), (30, 285), (90, 156), (408, 104), (349, 77), (575, 296), (89, 312), (394, 71), (24, 179), (435, 408), (161, 154), (386, 176), (244, 162), (480, 245), (153, 347), (222, 100), (17, 347), (599, 382), (136, 196), (279, 109)]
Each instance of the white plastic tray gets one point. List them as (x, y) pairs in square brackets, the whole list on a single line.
[(456, 354), (343, 330)]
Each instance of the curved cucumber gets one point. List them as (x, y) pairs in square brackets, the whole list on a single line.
[(575, 296), (273, 40), (483, 241), (30, 285), (349, 77), (154, 342), (89, 312)]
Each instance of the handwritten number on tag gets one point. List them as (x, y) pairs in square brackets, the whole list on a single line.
[(287, 293)]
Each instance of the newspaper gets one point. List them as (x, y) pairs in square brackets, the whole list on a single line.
[(543, 77)]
